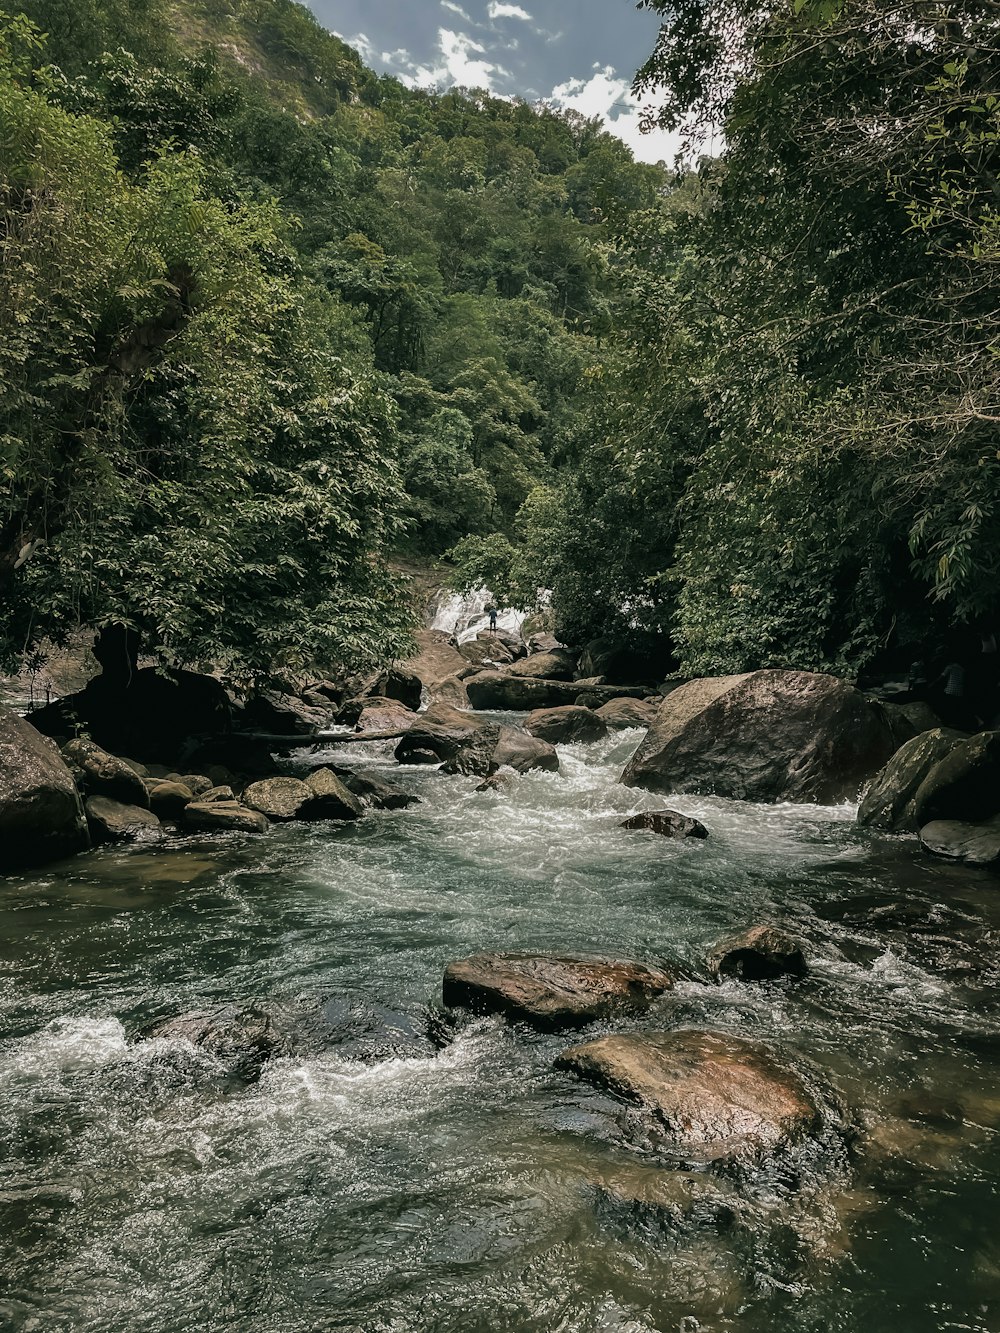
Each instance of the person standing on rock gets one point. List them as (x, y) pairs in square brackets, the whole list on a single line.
[(491, 611)]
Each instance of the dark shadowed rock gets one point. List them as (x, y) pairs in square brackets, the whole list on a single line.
[(964, 785), (400, 684), (111, 821), (441, 732), (103, 774), (764, 736), (502, 690), (761, 953), (168, 799), (523, 753), (622, 663), (284, 714), (972, 844), (667, 823), (557, 664), (474, 757), (240, 1039), (330, 797), (888, 802), (622, 714), (561, 726), (278, 798), (551, 992), (199, 783), (380, 795), (712, 1097), (41, 815), (223, 817)]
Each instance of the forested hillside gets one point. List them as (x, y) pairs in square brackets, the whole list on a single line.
[(270, 319)]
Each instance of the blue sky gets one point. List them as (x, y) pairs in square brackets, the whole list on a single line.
[(573, 53)]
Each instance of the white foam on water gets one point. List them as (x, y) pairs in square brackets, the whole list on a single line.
[(66, 1044)]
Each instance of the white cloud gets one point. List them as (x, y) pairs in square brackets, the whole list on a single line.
[(457, 64), (497, 10), (611, 98), (456, 9)]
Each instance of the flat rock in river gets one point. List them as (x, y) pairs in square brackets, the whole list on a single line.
[(713, 1097), (972, 844), (224, 817), (764, 736), (549, 991), (111, 821)]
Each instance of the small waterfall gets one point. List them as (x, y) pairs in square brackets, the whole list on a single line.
[(464, 615)]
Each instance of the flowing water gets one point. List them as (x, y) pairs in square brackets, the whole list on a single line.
[(400, 1187)]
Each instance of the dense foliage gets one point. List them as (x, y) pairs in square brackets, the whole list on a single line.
[(268, 319), (793, 459)]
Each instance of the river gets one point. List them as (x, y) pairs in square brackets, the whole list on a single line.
[(391, 1187)]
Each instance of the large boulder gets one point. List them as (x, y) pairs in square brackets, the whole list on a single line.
[(761, 953), (435, 661), (764, 736), (474, 757), (41, 815), (622, 714), (557, 664), (523, 753), (971, 844), (330, 797), (400, 684), (437, 735), (284, 714), (560, 726), (102, 774), (280, 799), (111, 821), (375, 715), (552, 992), (964, 785), (667, 823), (380, 795), (241, 1040), (223, 817), (483, 653), (888, 803), (503, 690), (711, 1097)]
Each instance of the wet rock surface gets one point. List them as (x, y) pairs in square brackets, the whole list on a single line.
[(111, 821), (278, 798), (330, 797), (764, 736), (888, 802), (712, 1097), (440, 733), (964, 785), (41, 814), (622, 714), (667, 823), (550, 991), (970, 844), (761, 953), (523, 753)]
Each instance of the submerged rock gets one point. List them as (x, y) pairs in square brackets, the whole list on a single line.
[(667, 823), (761, 953), (889, 803), (712, 1097), (41, 814), (569, 723), (111, 821), (972, 844), (764, 736), (550, 991), (500, 783), (224, 817), (241, 1039), (103, 774)]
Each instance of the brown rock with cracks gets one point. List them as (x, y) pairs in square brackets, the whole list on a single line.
[(566, 724)]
